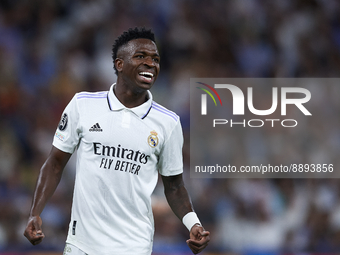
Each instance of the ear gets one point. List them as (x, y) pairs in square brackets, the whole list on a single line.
[(119, 64)]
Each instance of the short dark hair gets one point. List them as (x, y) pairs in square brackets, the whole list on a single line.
[(131, 34)]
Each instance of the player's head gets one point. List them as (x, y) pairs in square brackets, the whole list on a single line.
[(136, 59), (127, 36)]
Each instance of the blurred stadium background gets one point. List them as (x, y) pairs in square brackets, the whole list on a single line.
[(50, 50)]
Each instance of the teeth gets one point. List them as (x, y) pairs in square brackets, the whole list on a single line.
[(146, 73)]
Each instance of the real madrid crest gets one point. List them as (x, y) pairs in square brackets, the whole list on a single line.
[(153, 139)]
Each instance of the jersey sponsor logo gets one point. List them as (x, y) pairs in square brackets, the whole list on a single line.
[(126, 160), (153, 139), (96, 128), (63, 122)]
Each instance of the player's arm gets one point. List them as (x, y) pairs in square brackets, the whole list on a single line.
[(48, 180), (180, 203)]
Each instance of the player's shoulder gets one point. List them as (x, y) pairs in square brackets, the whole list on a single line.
[(91, 95), (163, 113), (91, 101)]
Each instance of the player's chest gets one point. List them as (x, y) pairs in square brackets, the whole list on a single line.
[(121, 129)]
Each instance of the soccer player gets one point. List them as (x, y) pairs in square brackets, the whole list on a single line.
[(123, 139)]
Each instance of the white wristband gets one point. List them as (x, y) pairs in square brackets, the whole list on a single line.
[(190, 219)]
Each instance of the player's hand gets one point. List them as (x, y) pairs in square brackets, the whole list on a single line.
[(33, 230), (199, 238)]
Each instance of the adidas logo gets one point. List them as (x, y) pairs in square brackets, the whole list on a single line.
[(96, 128)]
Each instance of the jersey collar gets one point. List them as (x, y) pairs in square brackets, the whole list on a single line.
[(115, 105)]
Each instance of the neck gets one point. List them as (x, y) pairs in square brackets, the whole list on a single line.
[(130, 98)]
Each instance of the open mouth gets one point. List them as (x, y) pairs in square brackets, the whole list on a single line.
[(146, 76)]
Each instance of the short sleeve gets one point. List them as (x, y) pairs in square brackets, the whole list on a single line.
[(171, 158), (67, 135)]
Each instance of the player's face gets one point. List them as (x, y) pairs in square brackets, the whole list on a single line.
[(138, 63)]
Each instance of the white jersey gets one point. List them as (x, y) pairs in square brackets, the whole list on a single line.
[(119, 153)]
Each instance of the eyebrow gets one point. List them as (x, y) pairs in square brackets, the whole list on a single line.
[(144, 52)]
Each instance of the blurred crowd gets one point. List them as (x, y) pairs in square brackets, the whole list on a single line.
[(50, 50)]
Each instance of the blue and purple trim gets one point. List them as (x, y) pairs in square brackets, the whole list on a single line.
[(165, 111), (82, 95)]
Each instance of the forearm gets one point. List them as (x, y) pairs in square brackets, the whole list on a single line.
[(177, 196), (179, 201), (48, 180)]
